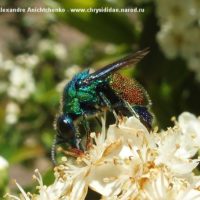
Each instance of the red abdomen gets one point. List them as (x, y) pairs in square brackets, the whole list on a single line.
[(129, 90)]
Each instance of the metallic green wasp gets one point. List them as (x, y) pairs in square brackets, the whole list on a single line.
[(88, 94)]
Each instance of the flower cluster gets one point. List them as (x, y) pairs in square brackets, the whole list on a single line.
[(129, 162), (3, 174), (180, 30), (51, 48), (3, 163), (17, 82), (20, 84)]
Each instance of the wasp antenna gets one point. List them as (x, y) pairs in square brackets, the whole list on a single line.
[(144, 51), (53, 151)]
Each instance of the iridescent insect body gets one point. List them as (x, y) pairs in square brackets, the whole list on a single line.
[(88, 94)]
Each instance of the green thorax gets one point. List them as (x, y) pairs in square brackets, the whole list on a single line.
[(74, 97)]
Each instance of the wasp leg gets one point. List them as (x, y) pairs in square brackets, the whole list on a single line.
[(109, 105), (97, 119), (76, 144), (76, 140), (131, 110), (88, 131), (100, 115)]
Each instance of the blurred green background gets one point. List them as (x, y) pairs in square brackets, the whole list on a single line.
[(40, 53)]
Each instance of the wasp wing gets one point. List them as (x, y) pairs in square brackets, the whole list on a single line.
[(117, 65)]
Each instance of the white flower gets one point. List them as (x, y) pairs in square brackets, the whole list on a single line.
[(21, 81), (196, 8), (191, 43), (179, 12), (128, 162), (170, 40), (50, 47), (190, 128), (60, 51), (162, 185), (194, 64), (179, 33), (8, 65), (3, 163), (27, 60), (176, 146), (12, 112), (22, 84), (1, 60), (172, 151), (178, 42), (45, 45), (71, 71)]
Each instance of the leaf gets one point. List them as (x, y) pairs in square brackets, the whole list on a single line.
[(105, 26), (25, 153)]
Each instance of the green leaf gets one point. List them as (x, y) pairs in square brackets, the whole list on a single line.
[(105, 26), (25, 153), (48, 177)]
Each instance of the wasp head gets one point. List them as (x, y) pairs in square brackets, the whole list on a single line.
[(65, 128), (66, 133)]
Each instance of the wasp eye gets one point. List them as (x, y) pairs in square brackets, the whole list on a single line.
[(65, 127)]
